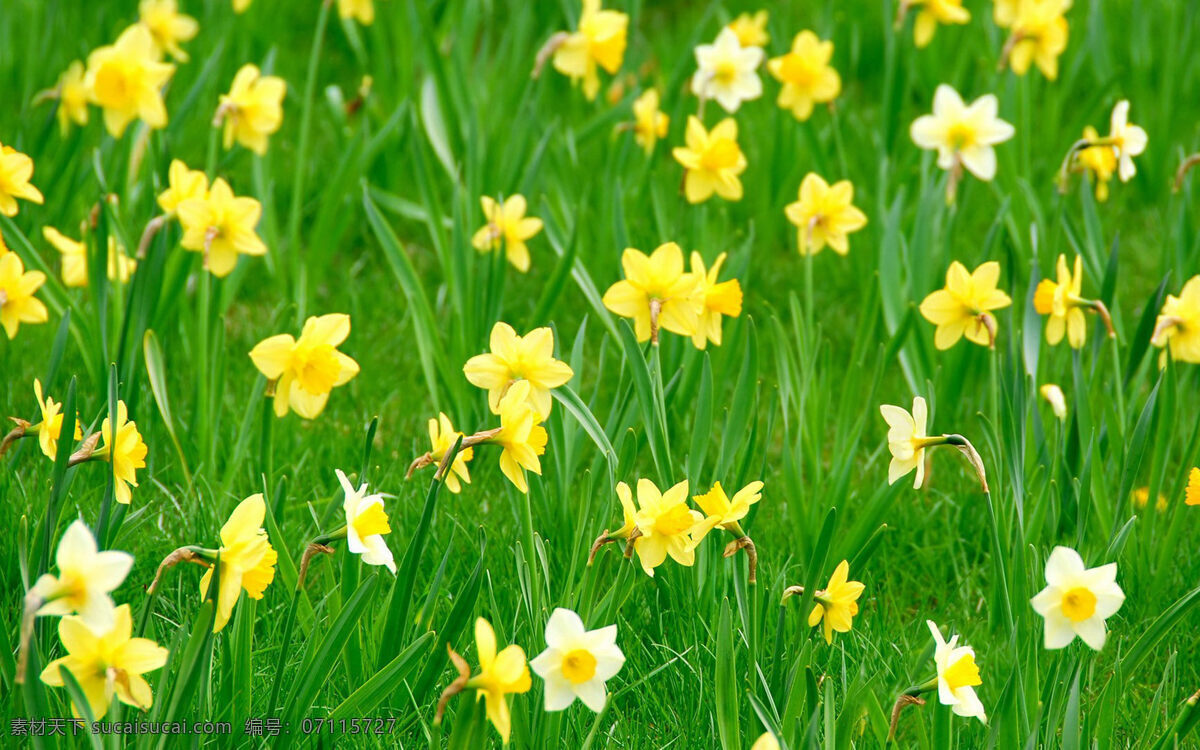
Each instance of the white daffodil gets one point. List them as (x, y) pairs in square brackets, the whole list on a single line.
[(962, 134), (907, 440), (1129, 140), (957, 675), (577, 662), (86, 577), (727, 71), (366, 523), (1077, 600)]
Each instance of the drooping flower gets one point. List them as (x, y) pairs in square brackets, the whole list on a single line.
[(665, 525), (1077, 600), (932, 13), (729, 511), (599, 42), (106, 662), (500, 674), (366, 523), (1099, 161), (50, 428), (521, 435), (720, 298), (837, 603), (73, 97), (657, 293), (441, 437), (1061, 301), (17, 287), (1128, 140), (16, 169), (362, 11), (712, 160), (513, 358), (577, 662), (167, 26), (253, 109), (806, 75), (126, 78), (963, 135), (907, 440), (1192, 495), (751, 29), (957, 676), (649, 122), (75, 259), (221, 225), (183, 184), (824, 215), (963, 307), (1177, 328), (1054, 396), (306, 369), (507, 227), (126, 452), (1039, 35), (85, 581), (727, 71), (247, 559)]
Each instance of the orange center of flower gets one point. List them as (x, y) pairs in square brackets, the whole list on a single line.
[(372, 521), (726, 72), (1079, 604), (960, 135), (579, 666), (963, 673)]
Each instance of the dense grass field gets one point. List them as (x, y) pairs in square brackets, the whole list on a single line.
[(365, 198)]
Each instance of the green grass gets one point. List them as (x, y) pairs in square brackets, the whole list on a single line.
[(371, 214)]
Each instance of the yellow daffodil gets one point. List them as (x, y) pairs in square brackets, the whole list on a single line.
[(1141, 498), (362, 11), (649, 122), (963, 135), (106, 662), (720, 298), (957, 676), (765, 741), (665, 525), (521, 435), (1099, 161), (806, 75), (1192, 496), (1061, 301), (507, 227), (127, 451), (75, 259), (1077, 600), (85, 581), (73, 97), (500, 674), (515, 358), (729, 511), (837, 603), (441, 437), (167, 26), (751, 29), (50, 428), (15, 171), (17, 287), (932, 13), (907, 440), (1128, 140), (657, 293), (824, 215), (599, 42), (221, 225), (246, 556), (1177, 328), (183, 184), (126, 79), (963, 307), (240, 6), (1039, 35), (306, 369), (713, 161), (366, 523), (253, 109), (1054, 396), (1004, 12), (577, 662), (727, 71)]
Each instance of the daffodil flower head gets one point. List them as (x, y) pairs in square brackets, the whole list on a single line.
[(73, 97), (727, 71), (907, 440), (1140, 498), (1192, 494), (521, 435), (721, 298), (765, 741), (836, 604), (649, 122), (307, 369), (500, 674), (577, 662), (825, 215), (1177, 329), (514, 358), (221, 225), (167, 26), (50, 428), (964, 307), (1039, 35), (933, 13), (1128, 140), (507, 227), (1061, 301), (712, 161), (17, 287), (751, 29), (807, 77), (75, 259), (183, 184), (362, 11), (122, 446), (963, 134), (666, 526), (441, 438), (1098, 161), (366, 523), (1077, 600), (599, 42), (957, 676), (1054, 396), (246, 557), (729, 511), (252, 110), (16, 169), (126, 80), (85, 581), (106, 662), (657, 293)]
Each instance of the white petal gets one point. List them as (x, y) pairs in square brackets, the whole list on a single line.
[(563, 627), (1063, 566), (1092, 632), (592, 694), (1058, 631), (558, 694)]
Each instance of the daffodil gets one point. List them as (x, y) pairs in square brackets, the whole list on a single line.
[(665, 525), (126, 79), (167, 26), (907, 440), (806, 75), (75, 259), (729, 511), (765, 741), (17, 287), (1177, 328), (362, 11), (50, 428), (253, 109), (306, 369), (963, 307), (727, 71), (513, 358), (713, 161), (837, 603), (751, 29), (106, 662), (1141, 498), (221, 225), (1077, 600), (932, 13), (1004, 12), (246, 557), (657, 293), (1061, 301), (16, 169), (577, 662), (649, 122), (441, 437), (721, 298), (1039, 35), (824, 215), (500, 675), (963, 135), (73, 97), (1192, 495), (1054, 396), (507, 227), (957, 676), (126, 451), (521, 435), (85, 581), (1099, 161), (599, 42), (1128, 140), (183, 184), (366, 523)]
